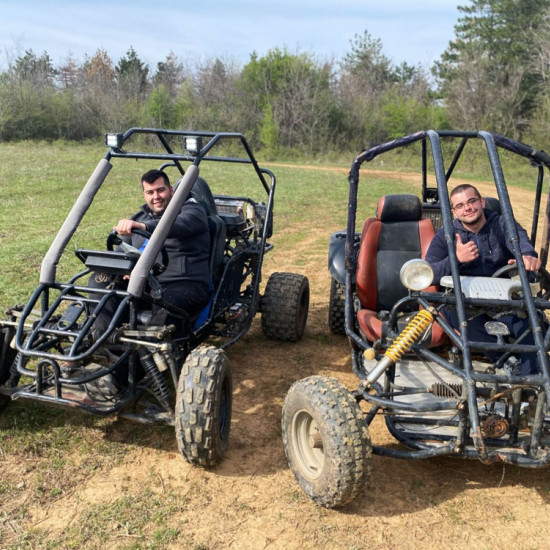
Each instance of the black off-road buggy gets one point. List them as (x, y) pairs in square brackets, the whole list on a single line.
[(50, 351), (437, 391)]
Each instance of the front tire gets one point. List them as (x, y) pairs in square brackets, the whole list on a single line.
[(203, 407), (285, 306), (326, 442)]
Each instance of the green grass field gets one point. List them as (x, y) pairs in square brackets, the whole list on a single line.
[(39, 182)]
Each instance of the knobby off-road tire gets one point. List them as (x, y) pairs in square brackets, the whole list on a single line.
[(203, 406), (285, 306), (7, 357), (326, 442), (337, 307)]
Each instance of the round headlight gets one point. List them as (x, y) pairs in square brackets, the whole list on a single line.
[(416, 274)]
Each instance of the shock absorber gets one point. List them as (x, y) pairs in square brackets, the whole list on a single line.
[(158, 384), (409, 335)]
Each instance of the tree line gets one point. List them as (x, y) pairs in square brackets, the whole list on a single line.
[(492, 76)]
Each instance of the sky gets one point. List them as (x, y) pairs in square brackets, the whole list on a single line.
[(411, 31)]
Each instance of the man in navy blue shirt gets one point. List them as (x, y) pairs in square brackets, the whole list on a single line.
[(481, 249)]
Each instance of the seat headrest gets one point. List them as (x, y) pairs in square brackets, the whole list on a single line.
[(403, 208), (493, 204), (202, 194)]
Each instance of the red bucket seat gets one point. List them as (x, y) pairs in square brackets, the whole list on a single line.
[(397, 234)]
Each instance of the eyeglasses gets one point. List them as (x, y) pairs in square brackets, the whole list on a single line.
[(461, 205)]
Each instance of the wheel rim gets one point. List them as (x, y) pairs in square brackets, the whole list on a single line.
[(308, 445)]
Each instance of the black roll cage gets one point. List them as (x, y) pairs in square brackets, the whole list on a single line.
[(431, 143), (41, 294), (214, 138)]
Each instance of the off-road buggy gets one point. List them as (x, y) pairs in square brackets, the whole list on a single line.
[(51, 353), (437, 391)]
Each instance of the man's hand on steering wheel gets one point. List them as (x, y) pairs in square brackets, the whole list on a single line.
[(140, 229), (530, 262), (540, 274), (125, 227)]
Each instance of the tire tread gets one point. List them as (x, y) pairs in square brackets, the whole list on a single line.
[(198, 402), (282, 318), (347, 465)]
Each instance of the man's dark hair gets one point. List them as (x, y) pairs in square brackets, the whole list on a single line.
[(463, 187), (153, 175)]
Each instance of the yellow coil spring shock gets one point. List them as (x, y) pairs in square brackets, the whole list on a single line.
[(409, 335)]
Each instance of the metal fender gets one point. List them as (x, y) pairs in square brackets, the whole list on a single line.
[(337, 256)]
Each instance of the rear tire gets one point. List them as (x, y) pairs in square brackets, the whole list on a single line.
[(7, 357), (326, 441), (285, 306), (203, 406), (337, 307)]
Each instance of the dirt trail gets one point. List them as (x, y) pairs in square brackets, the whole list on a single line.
[(251, 500)]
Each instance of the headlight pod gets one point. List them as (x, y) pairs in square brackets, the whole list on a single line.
[(114, 141), (416, 274), (192, 144)]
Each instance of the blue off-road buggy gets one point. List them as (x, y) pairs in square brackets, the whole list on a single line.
[(51, 353), (437, 391)]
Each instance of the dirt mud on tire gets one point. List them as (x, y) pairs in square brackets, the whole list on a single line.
[(285, 306), (203, 406), (326, 442)]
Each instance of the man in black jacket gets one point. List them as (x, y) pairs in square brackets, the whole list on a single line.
[(185, 282), (481, 249)]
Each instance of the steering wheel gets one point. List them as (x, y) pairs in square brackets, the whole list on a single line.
[(113, 239), (541, 276)]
